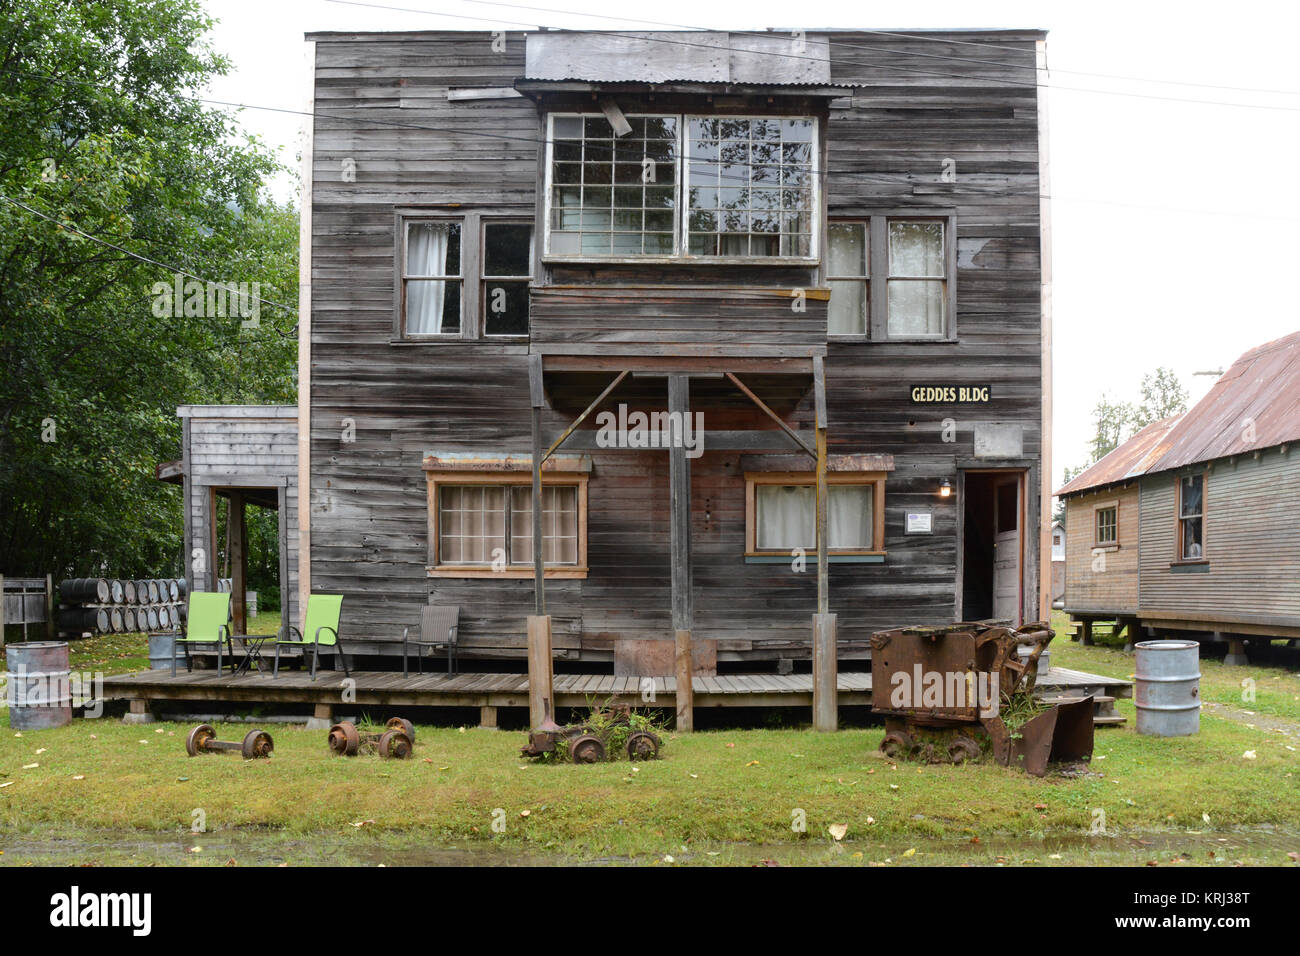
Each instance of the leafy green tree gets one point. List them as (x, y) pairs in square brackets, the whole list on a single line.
[(103, 134)]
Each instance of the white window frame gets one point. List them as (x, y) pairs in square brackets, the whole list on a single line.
[(680, 212)]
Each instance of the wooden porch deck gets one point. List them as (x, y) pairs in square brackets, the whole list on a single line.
[(390, 688)]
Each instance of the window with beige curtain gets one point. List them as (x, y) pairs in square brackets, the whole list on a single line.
[(916, 285), (847, 268)]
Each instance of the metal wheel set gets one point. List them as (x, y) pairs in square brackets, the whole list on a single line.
[(395, 741), (589, 744)]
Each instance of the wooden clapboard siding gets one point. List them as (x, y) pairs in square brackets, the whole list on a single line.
[(375, 92), (1251, 545), (1112, 587), (238, 446)]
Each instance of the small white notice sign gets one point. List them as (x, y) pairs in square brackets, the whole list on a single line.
[(918, 522)]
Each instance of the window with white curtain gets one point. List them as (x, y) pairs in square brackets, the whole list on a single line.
[(782, 513), (916, 288), (432, 280), (848, 271)]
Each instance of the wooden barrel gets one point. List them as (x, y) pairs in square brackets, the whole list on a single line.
[(128, 591), (40, 689), (85, 591), (116, 593)]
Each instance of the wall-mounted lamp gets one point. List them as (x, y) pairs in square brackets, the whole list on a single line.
[(945, 489)]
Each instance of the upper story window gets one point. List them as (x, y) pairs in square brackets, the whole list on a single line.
[(463, 277), (891, 277), (1107, 526), (704, 187), (1191, 517)]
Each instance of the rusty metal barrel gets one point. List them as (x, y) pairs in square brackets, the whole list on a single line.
[(173, 590), (116, 593), (1168, 688), (40, 685), (128, 591)]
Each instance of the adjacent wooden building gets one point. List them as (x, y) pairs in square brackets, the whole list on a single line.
[(1191, 524), (699, 274)]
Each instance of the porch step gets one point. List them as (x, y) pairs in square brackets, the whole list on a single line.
[(1103, 708)]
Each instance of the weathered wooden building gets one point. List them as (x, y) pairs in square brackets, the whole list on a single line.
[(1191, 524), (767, 241), (246, 455)]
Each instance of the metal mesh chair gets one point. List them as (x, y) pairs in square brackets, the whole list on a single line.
[(438, 626)]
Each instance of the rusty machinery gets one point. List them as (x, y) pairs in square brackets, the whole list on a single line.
[(396, 740), (203, 740), (944, 693), (590, 744)]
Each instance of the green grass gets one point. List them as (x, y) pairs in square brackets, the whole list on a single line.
[(733, 790), (1276, 690)]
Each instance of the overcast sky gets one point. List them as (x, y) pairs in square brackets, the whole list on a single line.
[(1174, 224)]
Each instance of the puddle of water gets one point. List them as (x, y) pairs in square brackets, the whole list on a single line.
[(1257, 845)]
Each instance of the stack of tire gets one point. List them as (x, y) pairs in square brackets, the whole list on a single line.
[(91, 606)]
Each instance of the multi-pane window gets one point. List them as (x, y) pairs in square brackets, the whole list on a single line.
[(1191, 515), (465, 277), (750, 186), (507, 268), (848, 271), (486, 525), (613, 196), (783, 513), (710, 187), (432, 280), (916, 281), (1107, 525)]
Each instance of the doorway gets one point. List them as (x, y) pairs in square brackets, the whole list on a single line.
[(992, 560)]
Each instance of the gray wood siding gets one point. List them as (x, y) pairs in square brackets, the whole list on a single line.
[(243, 448), (1251, 543), (885, 151)]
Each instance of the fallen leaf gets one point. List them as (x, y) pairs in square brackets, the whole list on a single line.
[(231, 862), (7, 783), (1040, 806), (1294, 856), (1249, 755), (909, 852), (525, 813), (80, 776), (1205, 817), (30, 766), (40, 750), (893, 786), (870, 820), (196, 849), (731, 746), (838, 830), (694, 776), (669, 859), (752, 763), (361, 823)]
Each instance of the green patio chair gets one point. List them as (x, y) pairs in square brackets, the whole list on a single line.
[(320, 632), (206, 622)]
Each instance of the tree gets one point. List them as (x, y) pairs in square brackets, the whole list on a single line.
[(103, 135), (1163, 395)]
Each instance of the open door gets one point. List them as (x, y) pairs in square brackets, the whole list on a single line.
[(1006, 549), (992, 560)]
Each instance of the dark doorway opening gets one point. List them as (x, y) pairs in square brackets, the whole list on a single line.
[(992, 545)]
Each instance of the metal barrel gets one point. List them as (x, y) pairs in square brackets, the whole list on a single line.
[(142, 591), (165, 617), (173, 590), (154, 595), (116, 623), (128, 619), (161, 647), (182, 589), (116, 593), (78, 620), (85, 591), (40, 687), (128, 591), (153, 619), (1168, 688)]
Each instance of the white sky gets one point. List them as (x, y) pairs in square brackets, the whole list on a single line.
[(1162, 211)]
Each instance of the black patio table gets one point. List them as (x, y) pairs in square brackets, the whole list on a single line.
[(252, 651)]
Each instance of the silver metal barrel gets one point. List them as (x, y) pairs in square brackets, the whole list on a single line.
[(40, 688), (1168, 691)]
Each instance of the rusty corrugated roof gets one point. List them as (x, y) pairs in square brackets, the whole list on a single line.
[(1255, 404), (1130, 459)]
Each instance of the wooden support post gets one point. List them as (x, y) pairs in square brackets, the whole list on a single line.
[(825, 673), (685, 668), (138, 713), (679, 489), (823, 571), (540, 678), (2, 611), (237, 534), (1085, 631), (537, 397), (322, 717), (487, 717), (49, 610)]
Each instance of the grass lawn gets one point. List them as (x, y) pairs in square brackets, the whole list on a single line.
[(100, 791), (122, 653)]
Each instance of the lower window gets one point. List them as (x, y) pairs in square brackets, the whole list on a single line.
[(781, 513), (481, 528)]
